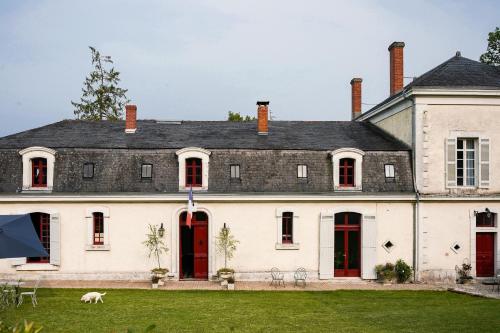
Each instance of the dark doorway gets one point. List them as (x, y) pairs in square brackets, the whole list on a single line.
[(347, 245), (41, 222), (194, 247)]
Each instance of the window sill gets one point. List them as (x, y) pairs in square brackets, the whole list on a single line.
[(281, 246), (36, 189), (37, 267), (198, 189), (97, 248), (348, 189)]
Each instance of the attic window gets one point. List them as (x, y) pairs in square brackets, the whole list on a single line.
[(389, 173), (88, 170), (146, 171)]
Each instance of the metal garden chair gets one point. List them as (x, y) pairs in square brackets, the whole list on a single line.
[(300, 276), (31, 294), (277, 277)]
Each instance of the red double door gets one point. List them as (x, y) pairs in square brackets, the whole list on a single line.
[(485, 259), (194, 247), (347, 260)]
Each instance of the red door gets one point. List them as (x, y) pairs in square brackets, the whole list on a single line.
[(201, 250), (485, 265), (193, 245), (347, 245)]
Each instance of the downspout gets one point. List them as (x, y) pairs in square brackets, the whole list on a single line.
[(416, 205)]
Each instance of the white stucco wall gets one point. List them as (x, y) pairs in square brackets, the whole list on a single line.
[(398, 122), (443, 224), (254, 224)]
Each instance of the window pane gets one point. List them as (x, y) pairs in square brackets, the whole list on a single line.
[(470, 144), (353, 218), (235, 171), (287, 227), (339, 259), (460, 144), (389, 171), (353, 250), (147, 171), (302, 171), (88, 170), (339, 218)]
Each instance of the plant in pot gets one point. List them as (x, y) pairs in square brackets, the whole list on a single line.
[(226, 245), (156, 247), (230, 283), (154, 281), (385, 273), (463, 273), (403, 271)]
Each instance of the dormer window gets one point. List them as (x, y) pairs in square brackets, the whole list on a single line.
[(39, 172), (194, 174), (38, 168), (347, 172), (193, 168)]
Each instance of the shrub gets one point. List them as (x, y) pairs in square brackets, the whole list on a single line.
[(403, 271), (225, 270), (230, 279), (385, 272), (25, 327)]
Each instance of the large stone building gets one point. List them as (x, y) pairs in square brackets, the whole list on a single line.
[(412, 178)]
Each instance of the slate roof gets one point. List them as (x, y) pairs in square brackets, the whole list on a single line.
[(455, 73), (151, 134)]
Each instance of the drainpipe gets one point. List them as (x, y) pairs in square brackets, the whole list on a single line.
[(416, 210)]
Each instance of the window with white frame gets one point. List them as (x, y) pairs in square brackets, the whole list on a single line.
[(390, 175), (235, 171), (467, 162), (347, 169), (301, 171), (286, 222), (38, 168), (147, 171), (193, 168), (97, 220)]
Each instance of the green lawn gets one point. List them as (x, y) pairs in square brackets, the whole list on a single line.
[(59, 310)]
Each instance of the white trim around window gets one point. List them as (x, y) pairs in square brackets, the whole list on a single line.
[(279, 229), (193, 152), (89, 221), (357, 156), (31, 153)]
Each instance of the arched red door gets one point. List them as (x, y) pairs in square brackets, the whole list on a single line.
[(193, 244)]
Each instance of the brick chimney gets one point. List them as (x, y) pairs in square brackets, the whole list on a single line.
[(130, 118), (262, 117), (396, 67), (356, 97)]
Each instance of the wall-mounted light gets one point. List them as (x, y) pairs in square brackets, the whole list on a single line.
[(161, 231)]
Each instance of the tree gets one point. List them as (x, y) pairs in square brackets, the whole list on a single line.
[(226, 244), (236, 116), (492, 55), (102, 98), (155, 245)]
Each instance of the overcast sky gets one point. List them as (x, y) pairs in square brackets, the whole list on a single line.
[(195, 60)]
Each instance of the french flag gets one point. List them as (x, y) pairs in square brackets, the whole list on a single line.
[(191, 209)]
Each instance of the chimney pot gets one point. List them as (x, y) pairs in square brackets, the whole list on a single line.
[(356, 97), (130, 118), (396, 67), (262, 117)]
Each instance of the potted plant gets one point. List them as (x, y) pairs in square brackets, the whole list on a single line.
[(154, 281), (385, 273), (156, 247), (403, 271), (230, 283), (463, 273), (226, 245)]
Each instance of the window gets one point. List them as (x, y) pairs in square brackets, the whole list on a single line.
[(287, 228), (302, 171), (39, 172), (346, 172), (98, 219), (235, 171), (193, 168), (41, 223), (193, 172), (485, 219), (88, 170), (466, 162), (389, 173), (146, 171)]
